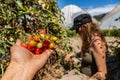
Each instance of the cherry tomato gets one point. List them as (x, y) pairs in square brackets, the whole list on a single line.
[(57, 41), (30, 38), (36, 38), (39, 45), (30, 48), (54, 38), (43, 49), (51, 45), (42, 31), (38, 51), (42, 36), (47, 37), (32, 43), (24, 45), (46, 44)]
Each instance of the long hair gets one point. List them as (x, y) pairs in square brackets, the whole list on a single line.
[(87, 31)]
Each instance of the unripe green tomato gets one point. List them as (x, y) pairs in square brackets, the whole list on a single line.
[(39, 45)]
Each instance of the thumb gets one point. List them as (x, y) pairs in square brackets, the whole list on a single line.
[(18, 42), (45, 54)]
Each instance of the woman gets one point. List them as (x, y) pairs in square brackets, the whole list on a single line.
[(93, 50)]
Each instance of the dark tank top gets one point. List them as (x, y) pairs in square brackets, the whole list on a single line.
[(88, 63)]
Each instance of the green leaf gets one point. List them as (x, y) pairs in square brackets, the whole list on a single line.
[(2, 51), (20, 5)]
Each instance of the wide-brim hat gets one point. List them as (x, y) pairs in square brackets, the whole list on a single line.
[(80, 20)]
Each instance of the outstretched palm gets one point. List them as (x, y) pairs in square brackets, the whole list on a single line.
[(22, 56)]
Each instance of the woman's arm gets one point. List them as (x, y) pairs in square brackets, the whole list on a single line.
[(99, 53), (69, 56)]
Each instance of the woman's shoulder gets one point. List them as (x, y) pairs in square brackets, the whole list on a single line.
[(95, 38), (98, 41)]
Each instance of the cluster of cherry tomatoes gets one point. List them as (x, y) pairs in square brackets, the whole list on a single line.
[(39, 43)]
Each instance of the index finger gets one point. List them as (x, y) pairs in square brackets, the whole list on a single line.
[(18, 42)]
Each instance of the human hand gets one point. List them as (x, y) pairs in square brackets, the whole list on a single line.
[(23, 56), (24, 64), (69, 57), (98, 76)]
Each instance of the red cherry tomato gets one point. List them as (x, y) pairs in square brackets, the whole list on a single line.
[(46, 44), (38, 51), (42, 31), (24, 45), (30, 48)]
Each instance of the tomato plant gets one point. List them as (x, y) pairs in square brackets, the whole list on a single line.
[(23, 18)]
